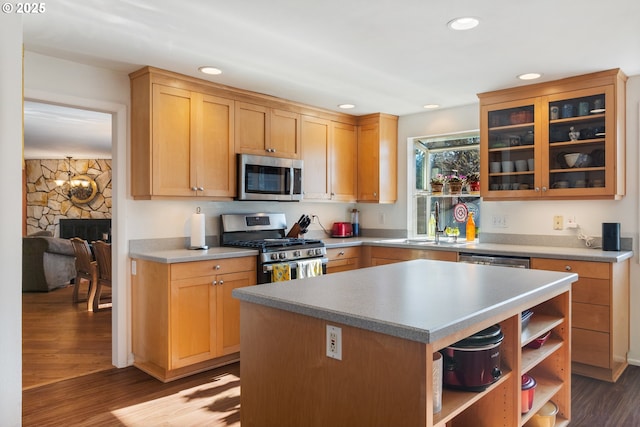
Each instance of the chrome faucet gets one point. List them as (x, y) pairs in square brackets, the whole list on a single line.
[(438, 231)]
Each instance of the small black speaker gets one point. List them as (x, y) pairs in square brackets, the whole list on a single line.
[(610, 236)]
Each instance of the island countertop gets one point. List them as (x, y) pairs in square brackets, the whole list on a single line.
[(420, 300)]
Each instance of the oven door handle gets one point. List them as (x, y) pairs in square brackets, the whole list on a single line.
[(293, 264)]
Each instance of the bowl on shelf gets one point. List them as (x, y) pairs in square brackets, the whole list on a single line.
[(539, 342), (577, 160), (545, 417)]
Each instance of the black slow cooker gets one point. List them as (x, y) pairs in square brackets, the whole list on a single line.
[(474, 362)]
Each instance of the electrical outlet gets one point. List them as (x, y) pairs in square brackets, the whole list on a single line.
[(558, 222), (334, 342), (134, 266), (314, 219), (571, 222), (499, 221)]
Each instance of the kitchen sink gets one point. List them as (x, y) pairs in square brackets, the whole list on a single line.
[(445, 241)]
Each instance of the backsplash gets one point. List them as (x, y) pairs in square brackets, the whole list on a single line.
[(47, 202)]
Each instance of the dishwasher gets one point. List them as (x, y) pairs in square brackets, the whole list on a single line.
[(501, 260)]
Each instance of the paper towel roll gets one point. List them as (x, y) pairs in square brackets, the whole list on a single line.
[(197, 231)]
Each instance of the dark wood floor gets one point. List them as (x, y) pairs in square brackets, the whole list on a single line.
[(61, 339), (129, 397)]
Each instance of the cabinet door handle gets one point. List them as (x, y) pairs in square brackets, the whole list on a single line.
[(217, 267), (221, 282), (567, 267), (215, 282), (375, 194), (200, 188), (194, 188), (340, 253), (544, 188)]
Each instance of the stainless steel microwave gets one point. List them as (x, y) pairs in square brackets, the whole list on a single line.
[(269, 178)]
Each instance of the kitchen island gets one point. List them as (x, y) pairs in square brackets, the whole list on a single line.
[(392, 320)]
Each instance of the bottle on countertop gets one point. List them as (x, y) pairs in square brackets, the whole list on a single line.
[(471, 228), (355, 222)]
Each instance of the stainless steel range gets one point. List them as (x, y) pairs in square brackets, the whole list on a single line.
[(266, 232)]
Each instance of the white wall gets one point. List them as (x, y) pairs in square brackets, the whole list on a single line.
[(11, 224)]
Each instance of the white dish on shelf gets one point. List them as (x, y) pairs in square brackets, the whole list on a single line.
[(597, 111)]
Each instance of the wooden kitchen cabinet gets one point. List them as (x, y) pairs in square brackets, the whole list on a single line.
[(387, 255), (343, 259), (181, 140), (330, 159), (526, 131), (600, 315), (184, 318), (377, 158), (267, 131)]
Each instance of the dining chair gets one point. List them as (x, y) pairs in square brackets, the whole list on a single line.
[(86, 268), (102, 251)]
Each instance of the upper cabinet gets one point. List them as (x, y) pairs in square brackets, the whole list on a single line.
[(329, 152), (181, 140), (186, 132), (377, 158), (267, 131), (558, 140)]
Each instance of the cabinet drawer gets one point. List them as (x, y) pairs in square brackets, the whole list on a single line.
[(186, 270), (590, 347), (589, 316), (596, 270), (342, 253), (591, 291)]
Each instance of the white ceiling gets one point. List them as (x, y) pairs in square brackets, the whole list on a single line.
[(389, 56)]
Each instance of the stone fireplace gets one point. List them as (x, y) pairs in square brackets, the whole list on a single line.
[(48, 202)]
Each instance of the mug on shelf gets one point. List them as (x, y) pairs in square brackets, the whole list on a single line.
[(507, 166), (567, 111), (494, 167), (554, 112), (583, 108), (521, 165)]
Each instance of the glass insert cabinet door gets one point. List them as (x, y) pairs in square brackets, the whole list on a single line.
[(550, 146), (445, 156), (512, 149), (577, 156)]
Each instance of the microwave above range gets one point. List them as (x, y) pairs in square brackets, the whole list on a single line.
[(269, 178)]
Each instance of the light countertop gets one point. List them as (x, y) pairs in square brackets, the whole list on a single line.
[(172, 256), (420, 300), (555, 252)]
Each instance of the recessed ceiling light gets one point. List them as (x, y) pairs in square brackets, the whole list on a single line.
[(346, 106), (529, 76), (463, 23), (431, 106), (210, 70)]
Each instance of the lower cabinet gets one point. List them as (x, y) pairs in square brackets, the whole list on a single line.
[(183, 315), (343, 259), (600, 315), (387, 255)]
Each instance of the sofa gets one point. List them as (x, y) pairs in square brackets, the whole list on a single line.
[(47, 263)]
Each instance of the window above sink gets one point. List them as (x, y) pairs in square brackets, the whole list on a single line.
[(456, 154)]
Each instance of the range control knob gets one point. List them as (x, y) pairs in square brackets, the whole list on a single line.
[(311, 252), (319, 251), (282, 255), (274, 256), (296, 253)]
